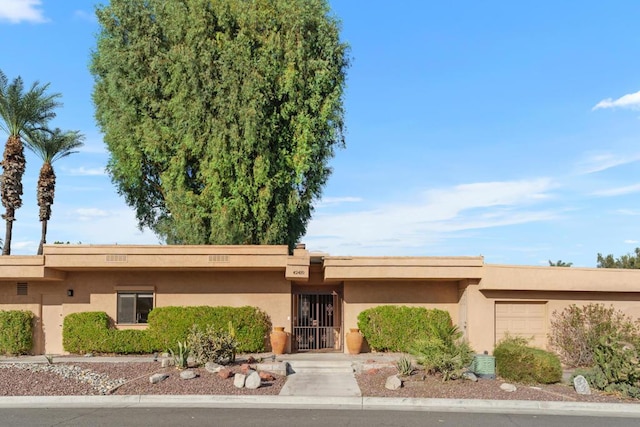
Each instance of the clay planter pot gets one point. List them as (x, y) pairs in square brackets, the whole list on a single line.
[(354, 341), (278, 340)]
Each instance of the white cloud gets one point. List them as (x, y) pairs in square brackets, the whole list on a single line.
[(631, 100), (618, 191), (434, 213), (16, 11), (332, 201), (82, 171), (87, 214), (598, 162), (633, 242), (84, 15)]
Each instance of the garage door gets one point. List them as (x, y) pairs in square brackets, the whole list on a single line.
[(523, 319)]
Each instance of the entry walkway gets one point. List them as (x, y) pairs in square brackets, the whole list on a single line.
[(327, 374)]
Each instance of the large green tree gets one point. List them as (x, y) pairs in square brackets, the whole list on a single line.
[(624, 261), (20, 111), (220, 116), (50, 145)]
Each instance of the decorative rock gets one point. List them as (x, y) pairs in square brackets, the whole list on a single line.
[(581, 385), (188, 374), (167, 362), (373, 371), (224, 373), (251, 360), (266, 376), (245, 368), (212, 367), (253, 381), (88, 355), (393, 383), (508, 387), (156, 378), (470, 376), (239, 380)]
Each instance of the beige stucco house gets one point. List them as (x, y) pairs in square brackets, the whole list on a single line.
[(316, 297)]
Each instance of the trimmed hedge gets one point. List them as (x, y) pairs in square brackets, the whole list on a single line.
[(85, 332), (16, 332), (515, 361), (396, 328), (168, 325), (89, 332)]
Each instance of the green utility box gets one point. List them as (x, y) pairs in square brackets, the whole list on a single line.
[(484, 366)]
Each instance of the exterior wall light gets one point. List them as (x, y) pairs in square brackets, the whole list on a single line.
[(69, 292)]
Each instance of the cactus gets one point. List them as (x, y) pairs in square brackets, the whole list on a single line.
[(404, 365), (182, 358)]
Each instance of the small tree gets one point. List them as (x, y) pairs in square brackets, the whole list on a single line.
[(560, 263), (631, 260)]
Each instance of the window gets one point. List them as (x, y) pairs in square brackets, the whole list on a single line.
[(134, 307)]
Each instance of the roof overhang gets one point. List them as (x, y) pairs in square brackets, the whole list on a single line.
[(402, 268)]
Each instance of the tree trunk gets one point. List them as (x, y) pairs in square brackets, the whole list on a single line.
[(6, 250), (43, 237)]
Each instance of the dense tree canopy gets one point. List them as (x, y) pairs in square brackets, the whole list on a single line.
[(625, 261), (220, 115)]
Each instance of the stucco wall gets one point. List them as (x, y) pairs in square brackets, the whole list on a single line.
[(481, 308), (96, 291)]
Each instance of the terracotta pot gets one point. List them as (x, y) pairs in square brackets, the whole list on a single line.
[(278, 340), (354, 341)]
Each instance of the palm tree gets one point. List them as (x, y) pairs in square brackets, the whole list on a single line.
[(19, 111), (50, 146)]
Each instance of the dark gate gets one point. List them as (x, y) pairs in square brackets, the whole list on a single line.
[(316, 322)]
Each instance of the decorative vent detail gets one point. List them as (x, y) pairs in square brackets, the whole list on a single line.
[(218, 258), (116, 258), (22, 288)]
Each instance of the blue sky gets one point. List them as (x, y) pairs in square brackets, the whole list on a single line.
[(504, 129)]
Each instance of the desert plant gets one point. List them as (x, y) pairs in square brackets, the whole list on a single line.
[(404, 365), (212, 345), (516, 361), (443, 351), (181, 358), (576, 331)]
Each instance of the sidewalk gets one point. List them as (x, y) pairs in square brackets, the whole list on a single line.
[(309, 400)]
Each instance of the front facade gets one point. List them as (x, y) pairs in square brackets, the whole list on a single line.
[(316, 297)]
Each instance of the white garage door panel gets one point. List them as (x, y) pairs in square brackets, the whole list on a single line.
[(522, 319)]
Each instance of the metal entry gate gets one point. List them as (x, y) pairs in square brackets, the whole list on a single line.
[(316, 322)]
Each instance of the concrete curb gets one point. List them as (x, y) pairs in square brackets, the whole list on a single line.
[(315, 402)]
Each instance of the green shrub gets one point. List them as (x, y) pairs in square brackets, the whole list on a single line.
[(16, 332), (168, 325), (577, 330), (444, 351), (212, 345), (129, 341), (515, 361), (89, 332), (86, 332), (396, 328)]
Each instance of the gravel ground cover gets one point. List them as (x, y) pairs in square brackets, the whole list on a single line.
[(132, 378), (420, 385)]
